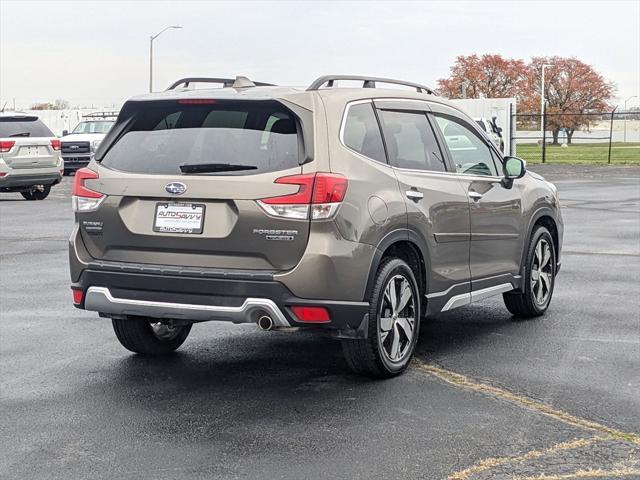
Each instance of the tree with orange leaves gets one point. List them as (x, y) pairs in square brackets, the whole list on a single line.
[(572, 87)]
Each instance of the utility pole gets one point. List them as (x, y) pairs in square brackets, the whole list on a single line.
[(151, 39)]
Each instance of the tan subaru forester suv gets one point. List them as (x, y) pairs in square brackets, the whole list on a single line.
[(357, 212)]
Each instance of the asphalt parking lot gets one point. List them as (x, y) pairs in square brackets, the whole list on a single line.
[(487, 397)]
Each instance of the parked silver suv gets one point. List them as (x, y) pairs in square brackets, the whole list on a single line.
[(354, 211), (30, 160)]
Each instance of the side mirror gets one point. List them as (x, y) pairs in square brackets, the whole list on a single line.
[(513, 168), (65, 133)]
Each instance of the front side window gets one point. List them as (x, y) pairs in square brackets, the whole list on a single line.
[(410, 141), (361, 132), (470, 153), (262, 136)]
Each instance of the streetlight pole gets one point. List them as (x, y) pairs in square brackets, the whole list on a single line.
[(544, 65), (624, 120), (151, 39)]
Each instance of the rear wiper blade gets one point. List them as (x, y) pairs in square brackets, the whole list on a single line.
[(214, 167), (21, 134)]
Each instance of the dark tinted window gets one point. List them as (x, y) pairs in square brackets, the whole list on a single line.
[(164, 136), (410, 141), (361, 132), (23, 127), (470, 152)]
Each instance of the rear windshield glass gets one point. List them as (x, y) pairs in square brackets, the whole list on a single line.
[(23, 127), (164, 136)]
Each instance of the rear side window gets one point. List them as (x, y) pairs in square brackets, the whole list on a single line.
[(361, 132), (23, 127), (164, 136), (410, 141)]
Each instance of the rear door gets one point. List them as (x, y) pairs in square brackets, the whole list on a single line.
[(207, 214), (437, 206), (27, 143)]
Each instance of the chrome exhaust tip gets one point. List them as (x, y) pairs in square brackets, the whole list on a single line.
[(265, 322)]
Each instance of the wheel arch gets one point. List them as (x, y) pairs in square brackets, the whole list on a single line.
[(410, 247)]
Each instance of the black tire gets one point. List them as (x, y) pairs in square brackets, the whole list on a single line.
[(369, 356), (66, 173), (137, 335), (37, 192), (526, 304)]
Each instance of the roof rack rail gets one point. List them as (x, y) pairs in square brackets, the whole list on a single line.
[(237, 82), (367, 82), (101, 115)]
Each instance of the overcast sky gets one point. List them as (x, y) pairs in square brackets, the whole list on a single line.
[(97, 52)]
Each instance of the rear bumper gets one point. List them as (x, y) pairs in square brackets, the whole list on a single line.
[(23, 180), (198, 299)]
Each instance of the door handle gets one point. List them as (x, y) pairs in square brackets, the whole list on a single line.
[(475, 196), (414, 195)]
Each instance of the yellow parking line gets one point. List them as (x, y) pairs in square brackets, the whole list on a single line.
[(615, 473), (489, 463), (463, 381)]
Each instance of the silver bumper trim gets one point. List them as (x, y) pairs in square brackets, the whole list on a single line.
[(99, 299)]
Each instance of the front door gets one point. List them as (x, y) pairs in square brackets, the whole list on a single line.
[(495, 211)]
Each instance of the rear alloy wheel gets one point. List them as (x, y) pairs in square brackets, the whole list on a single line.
[(394, 323), (539, 278), (149, 337), (37, 192)]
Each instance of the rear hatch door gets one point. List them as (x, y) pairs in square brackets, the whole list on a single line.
[(182, 182)]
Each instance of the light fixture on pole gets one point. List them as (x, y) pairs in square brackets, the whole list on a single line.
[(151, 39), (544, 65), (624, 120)]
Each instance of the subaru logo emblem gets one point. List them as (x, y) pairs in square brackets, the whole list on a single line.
[(175, 188)]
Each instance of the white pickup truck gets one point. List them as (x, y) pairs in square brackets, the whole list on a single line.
[(79, 145)]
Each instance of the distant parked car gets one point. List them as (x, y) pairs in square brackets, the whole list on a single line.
[(30, 160), (79, 145), (493, 131)]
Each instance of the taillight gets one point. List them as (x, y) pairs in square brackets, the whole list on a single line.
[(77, 295), (84, 199), (55, 144), (311, 314), (321, 192), (6, 145)]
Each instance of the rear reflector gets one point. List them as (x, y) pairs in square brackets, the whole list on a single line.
[(311, 314), (6, 145), (55, 144), (77, 296)]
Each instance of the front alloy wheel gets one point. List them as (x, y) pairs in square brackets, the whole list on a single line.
[(542, 272), (539, 277)]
